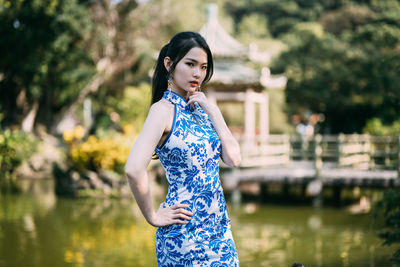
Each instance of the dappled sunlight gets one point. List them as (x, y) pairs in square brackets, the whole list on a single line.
[(280, 236), (112, 232), (102, 232), (110, 245)]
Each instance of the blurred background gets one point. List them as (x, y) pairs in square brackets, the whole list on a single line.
[(311, 89)]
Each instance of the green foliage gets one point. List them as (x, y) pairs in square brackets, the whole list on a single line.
[(233, 114), (120, 121), (132, 108), (346, 18), (124, 51), (43, 57), (15, 148), (253, 26), (375, 127), (278, 120), (390, 207), (342, 57), (282, 16), (347, 70), (57, 52)]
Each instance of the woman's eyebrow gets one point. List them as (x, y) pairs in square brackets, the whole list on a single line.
[(194, 60)]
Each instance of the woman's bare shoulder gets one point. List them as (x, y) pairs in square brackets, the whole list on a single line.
[(162, 105), (161, 109)]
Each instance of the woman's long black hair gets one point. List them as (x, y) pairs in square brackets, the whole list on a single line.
[(176, 49)]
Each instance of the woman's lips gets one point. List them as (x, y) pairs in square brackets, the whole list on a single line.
[(194, 84)]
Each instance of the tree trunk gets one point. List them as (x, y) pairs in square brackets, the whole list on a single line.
[(29, 120), (68, 119)]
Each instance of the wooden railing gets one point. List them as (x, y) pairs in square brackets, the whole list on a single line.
[(384, 152), (263, 151), (355, 151)]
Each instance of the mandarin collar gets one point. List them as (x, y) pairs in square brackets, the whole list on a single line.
[(176, 98)]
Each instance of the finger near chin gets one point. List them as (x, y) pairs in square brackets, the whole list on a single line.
[(180, 222)]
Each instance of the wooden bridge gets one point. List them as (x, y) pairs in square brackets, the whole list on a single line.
[(321, 161)]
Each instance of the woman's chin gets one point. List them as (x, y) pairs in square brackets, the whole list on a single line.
[(191, 90)]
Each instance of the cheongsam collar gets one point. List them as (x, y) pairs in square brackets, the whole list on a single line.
[(176, 98)]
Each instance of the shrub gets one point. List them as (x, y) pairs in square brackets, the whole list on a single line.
[(390, 207), (15, 148), (377, 128), (95, 154), (106, 153), (131, 108)]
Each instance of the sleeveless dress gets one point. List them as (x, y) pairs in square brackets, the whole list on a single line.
[(190, 156)]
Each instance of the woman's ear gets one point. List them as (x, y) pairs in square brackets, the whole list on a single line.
[(167, 63)]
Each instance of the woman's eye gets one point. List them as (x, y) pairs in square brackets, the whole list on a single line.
[(204, 67), (190, 64)]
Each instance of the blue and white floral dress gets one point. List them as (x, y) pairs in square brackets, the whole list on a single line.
[(190, 156)]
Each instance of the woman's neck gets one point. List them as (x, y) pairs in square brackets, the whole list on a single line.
[(184, 94)]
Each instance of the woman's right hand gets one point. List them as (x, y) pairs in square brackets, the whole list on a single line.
[(176, 214)]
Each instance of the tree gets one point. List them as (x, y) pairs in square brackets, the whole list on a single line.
[(342, 58), (282, 16), (318, 78), (43, 62), (59, 52)]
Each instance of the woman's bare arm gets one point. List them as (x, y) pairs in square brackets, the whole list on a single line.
[(230, 153), (136, 169)]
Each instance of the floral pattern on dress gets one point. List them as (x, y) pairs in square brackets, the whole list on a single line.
[(190, 157)]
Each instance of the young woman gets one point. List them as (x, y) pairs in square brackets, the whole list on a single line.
[(189, 135)]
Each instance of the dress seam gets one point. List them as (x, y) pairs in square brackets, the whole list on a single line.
[(172, 128)]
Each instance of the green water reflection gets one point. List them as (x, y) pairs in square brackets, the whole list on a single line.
[(38, 229)]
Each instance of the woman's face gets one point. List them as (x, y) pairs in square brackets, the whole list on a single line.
[(190, 71)]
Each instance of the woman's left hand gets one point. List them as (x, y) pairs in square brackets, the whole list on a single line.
[(202, 100)]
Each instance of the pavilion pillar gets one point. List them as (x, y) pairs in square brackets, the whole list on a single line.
[(249, 127), (249, 116), (211, 96), (264, 115)]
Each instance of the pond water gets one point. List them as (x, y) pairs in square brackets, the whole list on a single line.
[(38, 229)]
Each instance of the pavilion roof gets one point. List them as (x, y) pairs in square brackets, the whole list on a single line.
[(221, 43), (229, 64), (234, 72), (233, 75)]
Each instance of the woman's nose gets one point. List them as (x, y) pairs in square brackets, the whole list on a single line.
[(196, 72)]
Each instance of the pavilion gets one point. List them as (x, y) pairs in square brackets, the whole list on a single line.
[(234, 81)]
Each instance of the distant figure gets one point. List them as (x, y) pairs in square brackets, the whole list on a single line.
[(305, 130), (306, 127), (298, 265), (189, 135)]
